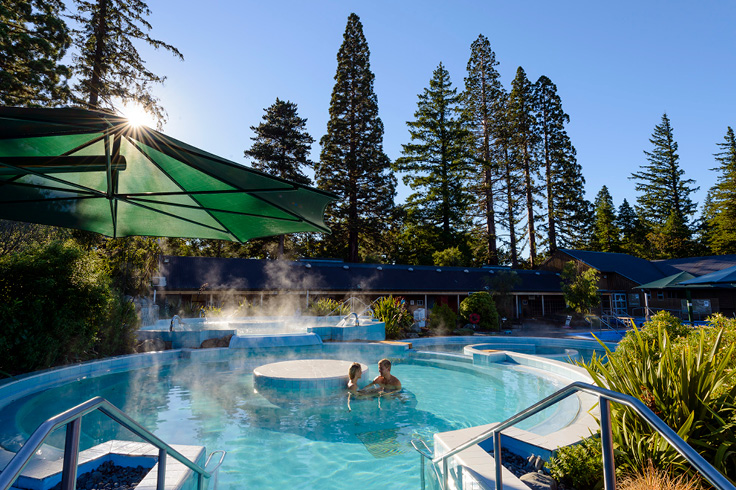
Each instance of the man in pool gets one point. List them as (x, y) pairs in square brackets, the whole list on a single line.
[(385, 381)]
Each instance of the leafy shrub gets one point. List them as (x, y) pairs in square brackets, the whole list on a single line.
[(393, 312), (684, 387), (442, 320), (57, 307), (579, 289), (649, 332), (480, 304), (213, 312), (328, 306), (579, 465)]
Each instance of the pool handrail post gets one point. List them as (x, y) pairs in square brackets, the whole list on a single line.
[(161, 476), (71, 455), (72, 419), (497, 457), (609, 465), (713, 476)]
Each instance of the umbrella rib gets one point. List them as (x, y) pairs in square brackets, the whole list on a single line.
[(190, 193), (46, 176), (27, 201), (171, 215), (225, 228), (83, 190), (293, 186), (215, 210)]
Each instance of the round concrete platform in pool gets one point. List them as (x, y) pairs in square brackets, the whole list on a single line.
[(304, 375)]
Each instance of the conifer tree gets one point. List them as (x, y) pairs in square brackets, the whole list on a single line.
[(482, 91), (567, 207), (281, 146), (352, 163), (524, 140), (281, 143), (606, 237), (33, 41), (721, 215), (633, 231), (108, 67), (663, 189), (511, 207), (438, 160)]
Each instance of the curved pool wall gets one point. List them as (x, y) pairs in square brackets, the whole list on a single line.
[(250, 332)]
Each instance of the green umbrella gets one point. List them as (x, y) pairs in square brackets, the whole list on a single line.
[(95, 171)]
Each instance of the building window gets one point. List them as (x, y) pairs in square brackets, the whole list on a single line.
[(411, 302), (420, 302), (660, 294)]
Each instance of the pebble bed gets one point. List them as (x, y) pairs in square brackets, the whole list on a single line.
[(109, 476)]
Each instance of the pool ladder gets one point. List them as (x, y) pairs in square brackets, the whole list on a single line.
[(72, 418), (440, 463)]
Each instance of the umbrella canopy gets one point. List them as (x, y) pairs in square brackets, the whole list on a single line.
[(667, 282), (95, 171)]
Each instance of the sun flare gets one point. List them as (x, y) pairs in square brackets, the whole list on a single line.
[(137, 116)]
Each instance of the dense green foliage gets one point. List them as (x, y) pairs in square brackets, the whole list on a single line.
[(392, 311), (480, 304), (328, 306), (606, 237), (664, 198), (580, 289), (352, 163), (437, 163), (108, 68), (57, 307), (579, 465), (442, 320), (33, 41), (281, 143), (688, 382)]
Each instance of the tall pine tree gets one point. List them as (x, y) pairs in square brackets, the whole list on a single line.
[(606, 236), (281, 146), (663, 190), (482, 92), (438, 161), (524, 137), (108, 67), (352, 163), (722, 211), (567, 208), (33, 41), (633, 231)]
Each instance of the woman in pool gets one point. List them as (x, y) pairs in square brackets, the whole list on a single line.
[(354, 374)]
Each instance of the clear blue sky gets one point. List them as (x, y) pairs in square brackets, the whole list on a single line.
[(617, 66)]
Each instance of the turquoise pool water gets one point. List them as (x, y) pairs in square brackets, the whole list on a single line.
[(297, 442)]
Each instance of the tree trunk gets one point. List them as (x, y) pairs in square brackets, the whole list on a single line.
[(512, 221), (529, 207), (95, 82)]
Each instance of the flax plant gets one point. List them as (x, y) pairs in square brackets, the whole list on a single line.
[(689, 389)]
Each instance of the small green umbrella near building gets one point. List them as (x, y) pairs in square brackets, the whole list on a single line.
[(95, 171)]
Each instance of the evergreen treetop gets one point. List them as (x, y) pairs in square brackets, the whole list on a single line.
[(281, 143), (108, 66), (663, 189), (606, 232), (437, 162), (721, 214), (352, 162), (33, 41)]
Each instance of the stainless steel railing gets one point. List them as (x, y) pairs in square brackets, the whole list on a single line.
[(72, 418), (605, 397)]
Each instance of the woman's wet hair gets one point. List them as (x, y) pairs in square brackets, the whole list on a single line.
[(354, 370)]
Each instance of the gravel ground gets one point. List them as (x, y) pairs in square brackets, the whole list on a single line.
[(109, 476)]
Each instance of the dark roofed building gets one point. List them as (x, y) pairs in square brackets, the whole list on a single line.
[(209, 280)]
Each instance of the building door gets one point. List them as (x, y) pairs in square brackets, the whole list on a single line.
[(619, 304)]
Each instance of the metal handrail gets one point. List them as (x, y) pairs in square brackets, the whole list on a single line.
[(605, 397), (72, 418)]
